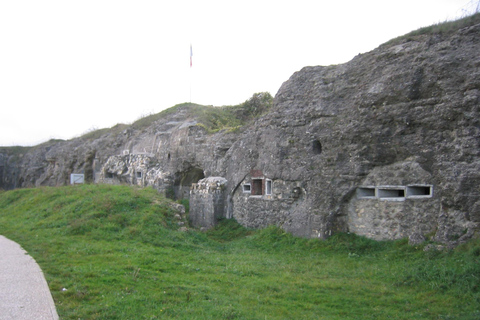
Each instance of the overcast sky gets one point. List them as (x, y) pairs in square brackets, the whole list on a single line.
[(68, 67)]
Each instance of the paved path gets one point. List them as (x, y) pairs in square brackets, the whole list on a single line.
[(24, 293)]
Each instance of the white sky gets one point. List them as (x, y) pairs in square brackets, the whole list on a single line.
[(67, 67)]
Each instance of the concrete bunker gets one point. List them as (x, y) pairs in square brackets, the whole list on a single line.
[(207, 202), (394, 202), (260, 200)]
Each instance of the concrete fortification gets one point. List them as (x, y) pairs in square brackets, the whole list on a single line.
[(386, 146)]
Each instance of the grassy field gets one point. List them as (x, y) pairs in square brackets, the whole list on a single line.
[(114, 252)]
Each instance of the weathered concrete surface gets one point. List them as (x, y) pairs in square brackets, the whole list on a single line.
[(406, 114), (333, 129), (24, 293), (398, 217), (207, 202)]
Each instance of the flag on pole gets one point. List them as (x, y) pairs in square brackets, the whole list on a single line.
[(191, 55)]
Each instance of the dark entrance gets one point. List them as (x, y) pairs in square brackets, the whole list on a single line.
[(183, 182)]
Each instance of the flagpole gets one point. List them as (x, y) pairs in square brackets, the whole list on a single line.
[(191, 64)]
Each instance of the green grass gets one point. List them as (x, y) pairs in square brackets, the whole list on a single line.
[(445, 28), (97, 133), (214, 119), (117, 252)]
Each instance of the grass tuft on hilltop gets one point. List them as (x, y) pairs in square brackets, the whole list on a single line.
[(214, 119), (116, 252), (444, 28)]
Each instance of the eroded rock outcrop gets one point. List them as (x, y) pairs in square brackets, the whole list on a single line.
[(412, 105), (386, 146)]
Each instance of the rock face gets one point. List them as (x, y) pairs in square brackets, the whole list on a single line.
[(386, 146)]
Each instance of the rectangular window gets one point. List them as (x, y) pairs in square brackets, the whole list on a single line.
[(257, 187), (395, 193), (139, 174), (391, 193), (420, 191), (268, 187), (366, 192), (247, 188)]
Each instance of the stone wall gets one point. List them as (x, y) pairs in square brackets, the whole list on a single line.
[(394, 202), (261, 200), (207, 202)]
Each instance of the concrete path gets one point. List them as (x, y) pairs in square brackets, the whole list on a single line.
[(24, 293)]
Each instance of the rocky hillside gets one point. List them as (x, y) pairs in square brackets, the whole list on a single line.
[(386, 146)]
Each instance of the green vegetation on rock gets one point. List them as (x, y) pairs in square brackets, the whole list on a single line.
[(116, 252), (214, 119), (444, 28)]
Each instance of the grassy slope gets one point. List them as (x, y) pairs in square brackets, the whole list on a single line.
[(444, 28), (116, 251), (213, 119)]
